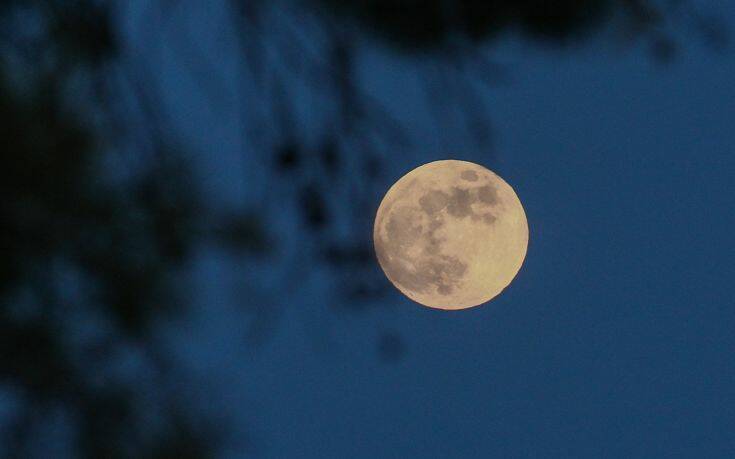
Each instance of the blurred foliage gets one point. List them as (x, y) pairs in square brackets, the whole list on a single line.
[(77, 246), (426, 24), (101, 212), (91, 253)]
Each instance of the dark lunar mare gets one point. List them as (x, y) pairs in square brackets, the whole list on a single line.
[(408, 226)]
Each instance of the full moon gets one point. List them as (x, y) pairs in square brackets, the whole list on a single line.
[(450, 234)]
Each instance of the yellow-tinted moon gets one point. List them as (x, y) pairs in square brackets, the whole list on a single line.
[(451, 234)]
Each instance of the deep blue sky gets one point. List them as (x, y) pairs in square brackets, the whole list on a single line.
[(616, 338)]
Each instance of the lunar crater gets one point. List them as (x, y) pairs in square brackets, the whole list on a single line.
[(434, 201), (469, 175), (487, 194)]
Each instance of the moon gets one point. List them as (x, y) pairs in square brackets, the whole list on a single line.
[(450, 234)]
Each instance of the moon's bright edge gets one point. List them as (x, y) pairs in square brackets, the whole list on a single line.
[(450, 234)]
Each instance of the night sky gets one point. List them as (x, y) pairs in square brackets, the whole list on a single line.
[(614, 340)]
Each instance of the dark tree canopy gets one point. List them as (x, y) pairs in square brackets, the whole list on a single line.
[(422, 25)]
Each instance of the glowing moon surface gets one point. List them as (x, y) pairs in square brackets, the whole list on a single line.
[(451, 234)]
